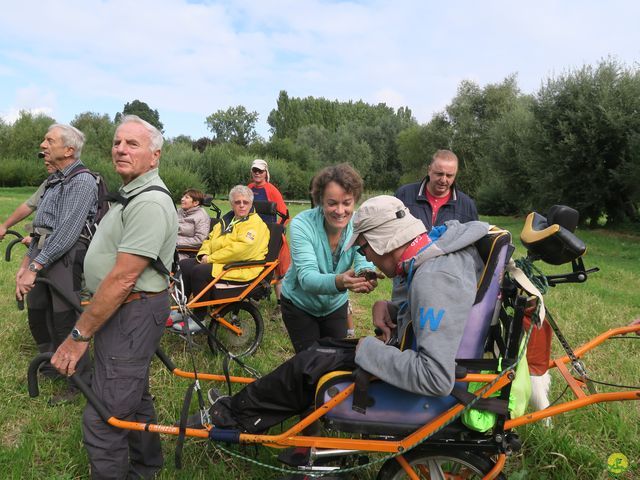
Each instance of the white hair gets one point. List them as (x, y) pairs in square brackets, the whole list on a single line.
[(71, 137), (154, 134), (241, 190)]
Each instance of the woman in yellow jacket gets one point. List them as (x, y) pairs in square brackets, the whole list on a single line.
[(243, 237)]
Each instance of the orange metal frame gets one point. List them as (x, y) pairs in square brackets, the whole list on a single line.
[(292, 437), (220, 303)]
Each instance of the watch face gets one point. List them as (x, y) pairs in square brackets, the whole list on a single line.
[(78, 337)]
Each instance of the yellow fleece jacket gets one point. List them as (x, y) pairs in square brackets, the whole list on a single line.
[(243, 240)]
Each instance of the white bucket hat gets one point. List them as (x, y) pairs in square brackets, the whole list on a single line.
[(385, 223)]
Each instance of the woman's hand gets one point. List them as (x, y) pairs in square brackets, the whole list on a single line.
[(350, 281)]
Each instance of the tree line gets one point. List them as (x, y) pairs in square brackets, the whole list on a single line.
[(575, 141)]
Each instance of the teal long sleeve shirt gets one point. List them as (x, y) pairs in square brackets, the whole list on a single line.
[(310, 282)]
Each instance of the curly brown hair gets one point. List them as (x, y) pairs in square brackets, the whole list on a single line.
[(343, 174)]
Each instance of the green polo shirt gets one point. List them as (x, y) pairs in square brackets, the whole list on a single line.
[(147, 227)]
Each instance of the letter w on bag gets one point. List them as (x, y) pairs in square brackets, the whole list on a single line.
[(429, 316)]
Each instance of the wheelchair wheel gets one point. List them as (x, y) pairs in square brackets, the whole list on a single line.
[(245, 316), (436, 464)]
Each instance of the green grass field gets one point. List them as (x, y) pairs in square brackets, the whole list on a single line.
[(37, 441)]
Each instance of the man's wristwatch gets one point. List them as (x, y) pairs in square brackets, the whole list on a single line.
[(76, 336), (34, 268)]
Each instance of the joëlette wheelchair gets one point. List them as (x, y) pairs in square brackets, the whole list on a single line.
[(236, 326), (414, 436)]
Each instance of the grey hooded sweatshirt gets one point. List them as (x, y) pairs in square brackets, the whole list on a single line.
[(439, 297)]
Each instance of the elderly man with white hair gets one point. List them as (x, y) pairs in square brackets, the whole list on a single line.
[(69, 201), (442, 270)]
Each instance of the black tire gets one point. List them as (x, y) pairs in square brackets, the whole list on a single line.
[(244, 315), (449, 464)]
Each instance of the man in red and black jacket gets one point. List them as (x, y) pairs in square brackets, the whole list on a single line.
[(436, 199)]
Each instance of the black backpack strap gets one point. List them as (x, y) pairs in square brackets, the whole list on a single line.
[(77, 170), (182, 425), (157, 264), (495, 405), (361, 399), (124, 201)]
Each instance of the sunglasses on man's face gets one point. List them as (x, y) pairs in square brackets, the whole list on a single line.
[(257, 171), (362, 249)]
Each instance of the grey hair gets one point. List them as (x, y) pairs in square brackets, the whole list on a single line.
[(71, 137), (157, 140), (241, 190)]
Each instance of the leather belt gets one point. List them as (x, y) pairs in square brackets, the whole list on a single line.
[(138, 295)]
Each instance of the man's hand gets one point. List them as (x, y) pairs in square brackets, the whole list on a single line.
[(67, 356), (3, 231), (24, 283), (26, 241), (382, 319)]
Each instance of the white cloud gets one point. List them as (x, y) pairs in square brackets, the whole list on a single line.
[(193, 59)]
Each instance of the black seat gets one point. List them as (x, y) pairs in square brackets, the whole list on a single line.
[(268, 211)]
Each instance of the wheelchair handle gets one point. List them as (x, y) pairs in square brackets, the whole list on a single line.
[(34, 390), (18, 239)]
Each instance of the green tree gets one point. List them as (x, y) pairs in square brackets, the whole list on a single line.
[(142, 110), (26, 135), (186, 139), (470, 115), (588, 127), (234, 125), (98, 130), (330, 129), (417, 144), (508, 174)]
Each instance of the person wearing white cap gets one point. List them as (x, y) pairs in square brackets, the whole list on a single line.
[(442, 268), (264, 190)]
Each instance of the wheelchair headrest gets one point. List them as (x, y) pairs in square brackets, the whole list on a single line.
[(207, 200), (264, 207), (553, 242), (564, 216)]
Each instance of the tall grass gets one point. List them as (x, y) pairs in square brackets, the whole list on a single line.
[(37, 441)]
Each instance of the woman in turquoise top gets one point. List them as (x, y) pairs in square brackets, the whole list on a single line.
[(314, 297)]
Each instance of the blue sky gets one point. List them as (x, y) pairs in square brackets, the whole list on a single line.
[(190, 59)]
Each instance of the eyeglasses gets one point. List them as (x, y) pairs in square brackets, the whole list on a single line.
[(257, 170), (241, 202), (361, 249)]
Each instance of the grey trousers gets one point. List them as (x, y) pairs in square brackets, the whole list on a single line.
[(123, 349)]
